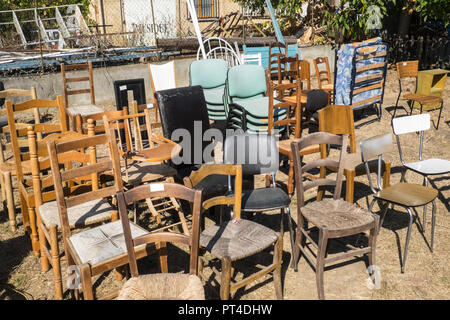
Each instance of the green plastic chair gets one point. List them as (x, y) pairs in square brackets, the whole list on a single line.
[(211, 75)]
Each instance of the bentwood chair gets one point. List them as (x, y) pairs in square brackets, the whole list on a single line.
[(333, 218), (168, 286), (410, 69), (71, 78), (403, 194), (20, 166), (238, 238), (337, 119), (96, 250)]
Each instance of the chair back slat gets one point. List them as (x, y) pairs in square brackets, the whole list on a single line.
[(408, 124), (66, 79), (407, 69), (373, 147)]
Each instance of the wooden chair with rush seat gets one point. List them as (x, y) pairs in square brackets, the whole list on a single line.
[(324, 75)]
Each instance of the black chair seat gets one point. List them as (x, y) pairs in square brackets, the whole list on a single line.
[(264, 199)]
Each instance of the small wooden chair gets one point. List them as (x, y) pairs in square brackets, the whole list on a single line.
[(338, 119), (162, 285), (85, 109), (20, 165), (238, 238), (102, 248), (410, 69), (277, 50), (324, 75), (334, 218), (406, 195)]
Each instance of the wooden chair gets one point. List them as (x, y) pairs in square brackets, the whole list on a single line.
[(8, 202), (162, 77), (410, 69), (294, 112), (41, 199), (334, 218), (81, 121), (86, 109), (238, 238), (99, 249), (277, 50), (304, 73), (339, 120), (144, 161), (403, 194), (20, 165), (323, 75), (162, 285)]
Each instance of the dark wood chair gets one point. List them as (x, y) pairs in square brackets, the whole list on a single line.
[(237, 238), (338, 119), (406, 195), (277, 51), (333, 218), (99, 249), (180, 286), (410, 69)]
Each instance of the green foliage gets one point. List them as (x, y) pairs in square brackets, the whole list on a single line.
[(285, 8), (25, 4), (428, 10)]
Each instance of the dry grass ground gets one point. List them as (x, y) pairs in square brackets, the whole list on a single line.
[(426, 275)]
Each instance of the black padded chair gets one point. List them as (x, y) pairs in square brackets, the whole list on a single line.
[(258, 154), (180, 108)]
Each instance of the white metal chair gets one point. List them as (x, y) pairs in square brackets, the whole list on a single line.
[(212, 43), (227, 54), (252, 58)]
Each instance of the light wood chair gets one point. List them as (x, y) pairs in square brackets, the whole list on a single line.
[(162, 77), (99, 249), (180, 286), (238, 238), (145, 155), (20, 164), (337, 119), (294, 112), (323, 75), (277, 51), (67, 80), (42, 199), (410, 69), (8, 201), (406, 195), (81, 121), (333, 218)]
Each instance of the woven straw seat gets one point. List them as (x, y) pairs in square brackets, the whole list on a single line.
[(11, 167), (163, 286), (336, 214), (140, 172), (87, 213), (102, 243), (237, 239), (84, 110)]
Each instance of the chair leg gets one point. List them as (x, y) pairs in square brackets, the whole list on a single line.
[(433, 224), (425, 183), (10, 200), (439, 116), (386, 175), (291, 177), (34, 234), (408, 237), (349, 185), (56, 262), (320, 264), (298, 242), (277, 256), (86, 282), (225, 279), (373, 240), (291, 231), (42, 244)]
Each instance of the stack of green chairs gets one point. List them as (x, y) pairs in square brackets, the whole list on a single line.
[(246, 103), (211, 75)]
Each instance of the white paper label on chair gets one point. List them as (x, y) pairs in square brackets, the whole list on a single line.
[(156, 187), (122, 88), (149, 105), (404, 63)]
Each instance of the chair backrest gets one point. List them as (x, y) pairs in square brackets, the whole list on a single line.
[(279, 103), (220, 169), (337, 119), (408, 124), (374, 148), (322, 75), (252, 59), (213, 43), (162, 76), (81, 121), (66, 80), (246, 81), (407, 69), (208, 73), (257, 153), (301, 172), (156, 190), (184, 109), (304, 73), (18, 131), (93, 169), (290, 70), (277, 50), (12, 93)]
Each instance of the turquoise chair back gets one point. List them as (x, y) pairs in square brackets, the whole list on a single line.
[(208, 73), (246, 81)]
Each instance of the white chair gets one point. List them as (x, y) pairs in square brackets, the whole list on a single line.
[(226, 54), (162, 77), (213, 43), (252, 58)]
